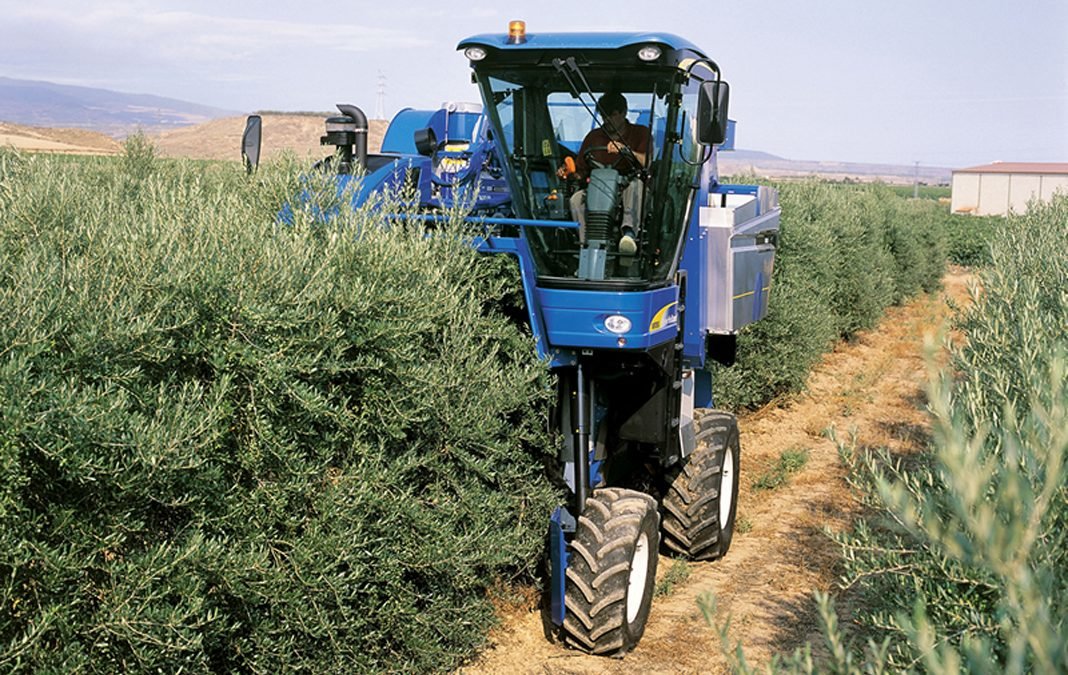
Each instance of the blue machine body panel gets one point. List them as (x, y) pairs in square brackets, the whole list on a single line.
[(460, 171), (731, 277), (576, 319), (454, 126), (558, 557), (694, 264), (400, 136), (517, 246)]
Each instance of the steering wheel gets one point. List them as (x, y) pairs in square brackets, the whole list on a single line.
[(625, 153)]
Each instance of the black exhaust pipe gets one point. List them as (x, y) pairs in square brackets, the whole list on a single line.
[(348, 133)]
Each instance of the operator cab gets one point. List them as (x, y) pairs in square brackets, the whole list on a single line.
[(541, 99)]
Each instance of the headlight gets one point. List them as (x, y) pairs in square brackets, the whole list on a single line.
[(649, 53), (617, 324), (475, 53)]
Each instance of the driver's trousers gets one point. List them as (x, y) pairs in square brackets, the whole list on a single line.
[(632, 208)]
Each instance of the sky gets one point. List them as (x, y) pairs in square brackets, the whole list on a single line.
[(949, 83)]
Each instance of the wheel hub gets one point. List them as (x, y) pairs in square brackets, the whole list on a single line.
[(639, 568), (726, 487)]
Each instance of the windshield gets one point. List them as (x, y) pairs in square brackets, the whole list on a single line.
[(540, 124)]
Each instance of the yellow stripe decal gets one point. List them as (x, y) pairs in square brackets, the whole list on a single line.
[(746, 295), (658, 320)]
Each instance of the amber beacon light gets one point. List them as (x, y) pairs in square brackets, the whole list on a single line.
[(517, 32)]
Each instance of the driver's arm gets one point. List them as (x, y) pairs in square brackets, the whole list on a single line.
[(583, 170), (640, 149), (618, 148)]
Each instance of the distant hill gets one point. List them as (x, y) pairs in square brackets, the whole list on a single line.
[(749, 155), (117, 114), (751, 162)]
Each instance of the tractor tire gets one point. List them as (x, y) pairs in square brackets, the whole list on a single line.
[(701, 495), (611, 572)]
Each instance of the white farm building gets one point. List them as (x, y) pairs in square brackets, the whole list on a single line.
[(995, 189)]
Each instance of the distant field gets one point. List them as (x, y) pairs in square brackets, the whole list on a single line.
[(217, 139), (63, 141), (924, 192)]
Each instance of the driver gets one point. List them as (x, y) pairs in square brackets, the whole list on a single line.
[(619, 142)]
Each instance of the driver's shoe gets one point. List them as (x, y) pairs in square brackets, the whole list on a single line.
[(627, 244)]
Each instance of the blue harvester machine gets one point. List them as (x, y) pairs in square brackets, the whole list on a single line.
[(629, 337)]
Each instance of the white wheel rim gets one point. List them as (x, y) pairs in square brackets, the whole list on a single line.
[(726, 487), (639, 568)]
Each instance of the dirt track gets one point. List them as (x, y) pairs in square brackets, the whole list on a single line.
[(872, 387)]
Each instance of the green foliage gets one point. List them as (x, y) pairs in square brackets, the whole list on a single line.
[(677, 574), (845, 254), (929, 192), (138, 155), (1014, 325), (968, 237), (842, 657), (961, 562), (864, 263), (917, 241), (997, 502), (965, 567), (229, 444), (790, 462), (979, 529)]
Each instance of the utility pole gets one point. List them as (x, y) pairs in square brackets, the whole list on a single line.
[(916, 182), (380, 101)]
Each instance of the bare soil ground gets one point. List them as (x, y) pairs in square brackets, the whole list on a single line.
[(218, 139), (871, 387), (65, 141), (221, 138)]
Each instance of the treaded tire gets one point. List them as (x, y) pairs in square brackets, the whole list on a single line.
[(611, 572), (691, 507)]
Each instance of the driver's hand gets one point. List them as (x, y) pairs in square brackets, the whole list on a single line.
[(567, 169)]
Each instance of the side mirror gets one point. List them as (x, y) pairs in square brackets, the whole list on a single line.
[(250, 142), (712, 103), (426, 142)]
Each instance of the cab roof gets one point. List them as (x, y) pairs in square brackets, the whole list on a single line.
[(580, 42)]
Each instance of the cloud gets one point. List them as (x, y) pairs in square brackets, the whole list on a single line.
[(202, 36), (192, 36), (205, 50)]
